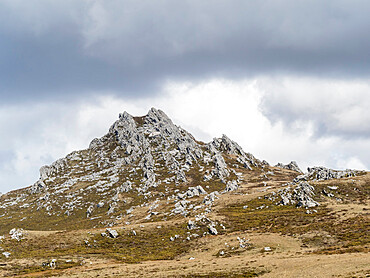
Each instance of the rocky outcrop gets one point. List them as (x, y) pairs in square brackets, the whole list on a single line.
[(300, 196), (291, 166), (220, 170), (56, 167), (192, 192), (225, 145), (322, 173), (231, 186)]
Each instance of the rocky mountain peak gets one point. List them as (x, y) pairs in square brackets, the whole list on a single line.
[(140, 160)]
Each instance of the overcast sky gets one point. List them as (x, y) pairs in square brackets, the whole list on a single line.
[(287, 80)]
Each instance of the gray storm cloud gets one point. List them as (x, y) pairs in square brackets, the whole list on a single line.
[(60, 48), (286, 79)]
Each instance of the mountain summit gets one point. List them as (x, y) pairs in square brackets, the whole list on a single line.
[(139, 160)]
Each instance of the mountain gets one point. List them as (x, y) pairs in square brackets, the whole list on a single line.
[(148, 191)]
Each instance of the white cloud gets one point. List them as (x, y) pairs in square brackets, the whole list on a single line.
[(337, 107), (351, 163), (38, 135)]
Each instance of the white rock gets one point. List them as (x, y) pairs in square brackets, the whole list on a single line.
[(112, 233)]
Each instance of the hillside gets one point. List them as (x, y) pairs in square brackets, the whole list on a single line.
[(148, 199)]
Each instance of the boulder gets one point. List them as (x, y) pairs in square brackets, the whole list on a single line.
[(111, 233), (16, 234), (212, 230)]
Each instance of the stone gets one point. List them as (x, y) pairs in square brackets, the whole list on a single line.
[(56, 167), (191, 225), (16, 234), (37, 187), (212, 230), (231, 186), (210, 198), (192, 192), (52, 263), (112, 233), (221, 170), (89, 210), (126, 186), (243, 243)]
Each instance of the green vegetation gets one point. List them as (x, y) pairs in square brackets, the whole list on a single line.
[(40, 269), (145, 245), (246, 272), (288, 220)]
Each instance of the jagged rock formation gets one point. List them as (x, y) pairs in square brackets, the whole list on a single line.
[(291, 166), (302, 193), (322, 173), (140, 161)]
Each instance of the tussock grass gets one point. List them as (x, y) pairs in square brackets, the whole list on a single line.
[(145, 245), (350, 235), (246, 272)]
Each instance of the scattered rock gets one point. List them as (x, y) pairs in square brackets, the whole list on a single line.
[(243, 243), (191, 225), (6, 254), (16, 234), (192, 192), (231, 186), (112, 233), (212, 230), (89, 210)]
